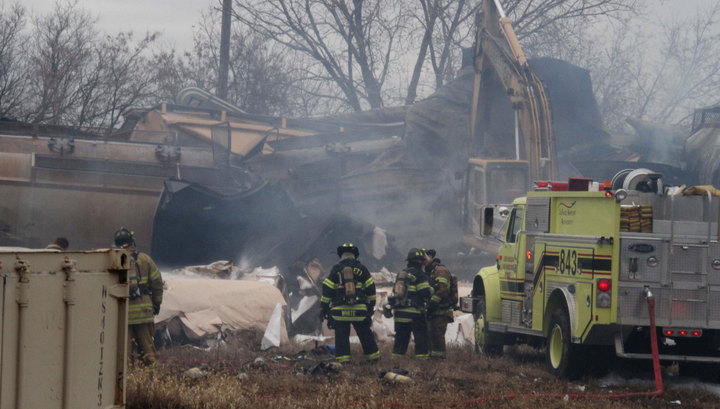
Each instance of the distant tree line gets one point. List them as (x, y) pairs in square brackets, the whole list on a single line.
[(58, 68), (319, 57)]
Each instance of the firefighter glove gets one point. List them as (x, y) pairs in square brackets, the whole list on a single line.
[(156, 309)]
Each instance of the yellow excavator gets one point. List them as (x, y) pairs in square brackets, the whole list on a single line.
[(497, 53)]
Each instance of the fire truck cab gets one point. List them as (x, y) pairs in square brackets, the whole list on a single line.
[(578, 262)]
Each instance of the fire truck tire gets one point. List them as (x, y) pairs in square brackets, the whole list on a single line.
[(487, 342), (562, 357)]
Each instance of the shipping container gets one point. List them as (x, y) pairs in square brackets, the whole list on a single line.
[(63, 317)]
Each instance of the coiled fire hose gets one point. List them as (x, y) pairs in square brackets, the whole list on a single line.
[(656, 368)]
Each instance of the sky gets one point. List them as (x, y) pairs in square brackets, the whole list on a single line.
[(175, 19)]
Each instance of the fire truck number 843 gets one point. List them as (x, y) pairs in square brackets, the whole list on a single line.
[(568, 262)]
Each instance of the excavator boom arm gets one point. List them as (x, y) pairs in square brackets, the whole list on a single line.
[(497, 49)]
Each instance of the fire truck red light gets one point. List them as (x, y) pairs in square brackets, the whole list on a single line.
[(542, 184), (603, 285), (608, 194), (529, 255), (696, 333), (683, 332), (668, 332)]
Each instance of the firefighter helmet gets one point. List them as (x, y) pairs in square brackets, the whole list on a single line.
[(124, 238), (414, 254), (348, 248)]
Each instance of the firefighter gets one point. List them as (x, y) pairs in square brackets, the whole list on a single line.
[(439, 310), (348, 297), (410, 295), (146, 293)]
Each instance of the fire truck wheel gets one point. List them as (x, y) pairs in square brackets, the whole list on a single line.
[(559, 354), (487, 342)]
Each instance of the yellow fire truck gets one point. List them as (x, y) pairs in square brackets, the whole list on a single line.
[(579, 261)]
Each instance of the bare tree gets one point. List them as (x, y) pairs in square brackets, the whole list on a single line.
[(121, 78), (354, 44), (657, 71), (537, 21), (454, 29), (77, 78), (259, 78), (441, 20), (60, 54), (692, 52), (12, 73)]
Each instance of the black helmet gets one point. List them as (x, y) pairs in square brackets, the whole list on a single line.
[(415, 253), (124, 237), (348, 248), (431, 253)]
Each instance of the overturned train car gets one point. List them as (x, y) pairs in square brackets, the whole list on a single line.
[(180, 178)]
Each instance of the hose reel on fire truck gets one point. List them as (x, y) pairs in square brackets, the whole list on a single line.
[(643, 180)]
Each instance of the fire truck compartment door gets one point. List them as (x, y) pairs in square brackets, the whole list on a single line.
[(583, 308)]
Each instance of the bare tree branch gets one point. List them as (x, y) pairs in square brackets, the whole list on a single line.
[(12, 73)]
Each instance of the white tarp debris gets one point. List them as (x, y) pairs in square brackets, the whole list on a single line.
[(302, 339), (305, 284), (305, 304), (273, 331), (461, 331), (222, 269), (267, 275), (201, 308), (384, 276)]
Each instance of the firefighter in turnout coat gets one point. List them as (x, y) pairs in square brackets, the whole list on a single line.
[(439, 310), (348, 297), (146, 293), (408, 306)]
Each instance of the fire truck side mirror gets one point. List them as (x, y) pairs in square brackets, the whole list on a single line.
[(488, 218)]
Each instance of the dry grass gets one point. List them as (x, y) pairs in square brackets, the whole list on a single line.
[(455, 382)]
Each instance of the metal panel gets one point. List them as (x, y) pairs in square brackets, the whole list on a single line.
[(714, 306), (644, 271), (63, 342), (686, 259), (511, 312), (16, 166), (538, 215), (633, 309), (221, 143), (34, 214), (713, 254), (690, 278), (689, 306)]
